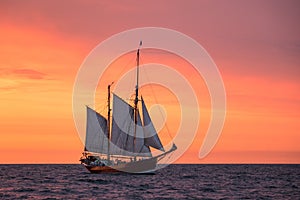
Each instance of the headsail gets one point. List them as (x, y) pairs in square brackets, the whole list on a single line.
[(151, 137), (140, 146), (96, 132), (122, 135)]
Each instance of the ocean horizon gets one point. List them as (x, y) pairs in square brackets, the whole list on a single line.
[(176, 181)]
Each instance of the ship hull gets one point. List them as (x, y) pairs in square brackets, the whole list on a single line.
[(141, 166)]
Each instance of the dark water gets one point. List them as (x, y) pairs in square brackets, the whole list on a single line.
[(173, 182)]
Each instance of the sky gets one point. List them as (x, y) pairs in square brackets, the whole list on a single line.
[(255, 44)]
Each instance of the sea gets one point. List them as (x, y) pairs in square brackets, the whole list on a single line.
[(179, 181)]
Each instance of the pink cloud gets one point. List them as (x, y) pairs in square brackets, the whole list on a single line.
[(22, 73), (29, 73)]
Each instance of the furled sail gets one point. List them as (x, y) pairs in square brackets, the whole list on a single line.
[(122, 135), (151, 137), (96, 132)]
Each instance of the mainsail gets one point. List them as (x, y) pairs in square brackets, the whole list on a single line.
[(151, 137), (122, 135), (96, 132)]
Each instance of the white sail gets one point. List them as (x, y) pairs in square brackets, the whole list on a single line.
[(126, 138), (122, 135), (140, 146), (96, 132), (151, 137)]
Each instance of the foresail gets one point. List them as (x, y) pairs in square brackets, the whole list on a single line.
[(122, 135), (140, 146), (151, 137), (96, 132)]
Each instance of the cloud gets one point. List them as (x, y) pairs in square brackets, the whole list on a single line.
[(11, 79), (29, 73), (22, 73)]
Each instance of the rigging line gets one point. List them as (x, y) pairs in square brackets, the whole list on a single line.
[(155, 99), (102, 107), (127, 136), (130, 62), (95, 108), (125, 66)]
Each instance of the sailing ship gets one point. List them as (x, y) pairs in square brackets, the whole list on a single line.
[(122, 145)]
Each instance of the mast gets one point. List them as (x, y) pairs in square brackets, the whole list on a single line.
[(136, 93), (108, 121)]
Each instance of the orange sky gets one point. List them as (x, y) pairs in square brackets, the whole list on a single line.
[(254, 44)]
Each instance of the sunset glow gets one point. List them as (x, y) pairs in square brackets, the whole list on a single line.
[(255, 45)]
